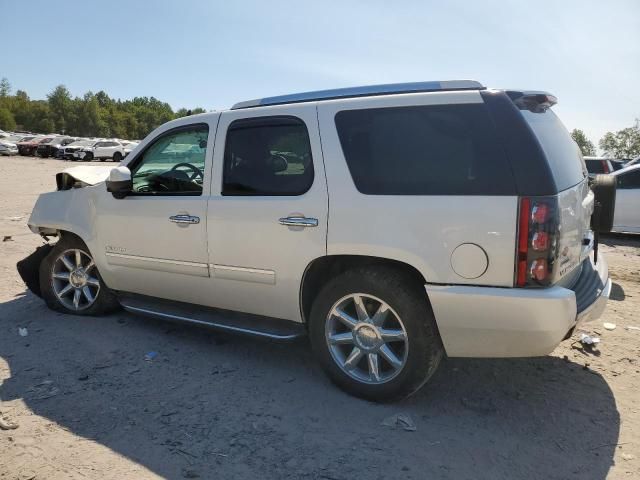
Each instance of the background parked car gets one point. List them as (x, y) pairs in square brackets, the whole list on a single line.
[(28, 145), (635, 161), (129, 146), (597, 165), (8, 148), (102, 150), (50, 148), (66, 152), (627, 213)]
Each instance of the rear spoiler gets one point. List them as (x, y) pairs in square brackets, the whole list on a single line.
[(536, 102)]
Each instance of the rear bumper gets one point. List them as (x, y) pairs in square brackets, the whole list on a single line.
[(517, 322)]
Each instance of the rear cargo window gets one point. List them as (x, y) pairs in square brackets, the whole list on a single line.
[(563, 154), (424, 150)]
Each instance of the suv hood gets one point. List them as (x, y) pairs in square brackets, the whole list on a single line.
[(82, 176)]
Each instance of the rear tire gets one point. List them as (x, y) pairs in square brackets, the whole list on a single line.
[(70, 281), (381, 357)]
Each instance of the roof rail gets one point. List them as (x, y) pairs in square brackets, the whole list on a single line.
[(365, 91)]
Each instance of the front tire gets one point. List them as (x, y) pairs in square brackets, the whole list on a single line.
[(70, 281), (117, 157), (88, 157), (374, 333)]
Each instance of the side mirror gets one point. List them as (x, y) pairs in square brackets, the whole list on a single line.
[(119, 182)]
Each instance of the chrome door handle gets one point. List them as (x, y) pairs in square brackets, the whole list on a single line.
[(298, 221), (190, 219)]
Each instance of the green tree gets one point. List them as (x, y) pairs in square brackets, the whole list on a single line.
[(92, 115), (624, 143), (586, 146), (5, 88), (7, 122), (61, 108)]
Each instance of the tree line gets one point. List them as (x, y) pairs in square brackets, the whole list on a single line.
[(92, 115), (622, 144)]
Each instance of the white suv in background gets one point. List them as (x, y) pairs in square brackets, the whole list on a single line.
[(101, 150), (391, 224)]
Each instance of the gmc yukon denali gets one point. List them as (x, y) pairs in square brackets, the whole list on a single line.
[(392, 224)]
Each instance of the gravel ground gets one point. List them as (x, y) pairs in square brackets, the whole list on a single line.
[(215, 406)]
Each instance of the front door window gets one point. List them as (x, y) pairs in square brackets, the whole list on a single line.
[(173, 164)]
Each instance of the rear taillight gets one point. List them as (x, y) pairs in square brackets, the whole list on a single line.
[(537, 241), (605, 167)]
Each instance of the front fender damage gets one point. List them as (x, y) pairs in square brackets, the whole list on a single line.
[(29, 268)]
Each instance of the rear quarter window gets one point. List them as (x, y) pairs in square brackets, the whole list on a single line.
[(424, 150), (562, 153)]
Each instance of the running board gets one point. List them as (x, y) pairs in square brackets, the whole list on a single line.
[(242, 323)]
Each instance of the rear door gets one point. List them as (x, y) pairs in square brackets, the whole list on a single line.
[(267, 214)]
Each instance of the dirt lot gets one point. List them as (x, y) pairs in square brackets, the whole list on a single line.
[(88, 405)]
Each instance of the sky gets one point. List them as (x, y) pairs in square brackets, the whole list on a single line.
[(212, 54)]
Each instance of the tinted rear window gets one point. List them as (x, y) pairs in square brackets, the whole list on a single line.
[(563, 154), (424, 150)]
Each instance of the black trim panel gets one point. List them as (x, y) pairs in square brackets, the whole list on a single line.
[(530, 168)]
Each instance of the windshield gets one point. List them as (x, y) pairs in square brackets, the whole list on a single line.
[(563, 154)]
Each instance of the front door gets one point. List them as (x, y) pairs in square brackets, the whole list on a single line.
[(154, 240), (267, 215)]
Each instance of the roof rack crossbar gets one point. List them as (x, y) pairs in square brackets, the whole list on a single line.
[(388, 89)]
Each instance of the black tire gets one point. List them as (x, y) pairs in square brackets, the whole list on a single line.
[(405, 295), (88, 157), (105, 300), (117, 157), (604, 190)]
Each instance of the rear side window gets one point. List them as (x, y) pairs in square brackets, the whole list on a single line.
[(267, 156), (424, 150), (563, 154)]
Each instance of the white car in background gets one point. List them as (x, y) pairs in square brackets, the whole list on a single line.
[(627, 212), (101, 150), (129, 146), (69, 150), (8, 148)]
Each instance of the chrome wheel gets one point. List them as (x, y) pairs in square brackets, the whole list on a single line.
[(366, 338), (74, 279)]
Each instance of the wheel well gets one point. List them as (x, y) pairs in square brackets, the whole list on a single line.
[(67, 234), (323, 269)]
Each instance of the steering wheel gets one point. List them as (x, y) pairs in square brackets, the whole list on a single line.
[(195, 171)]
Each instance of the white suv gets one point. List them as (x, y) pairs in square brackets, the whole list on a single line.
[(391, 224), (102, 150)]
